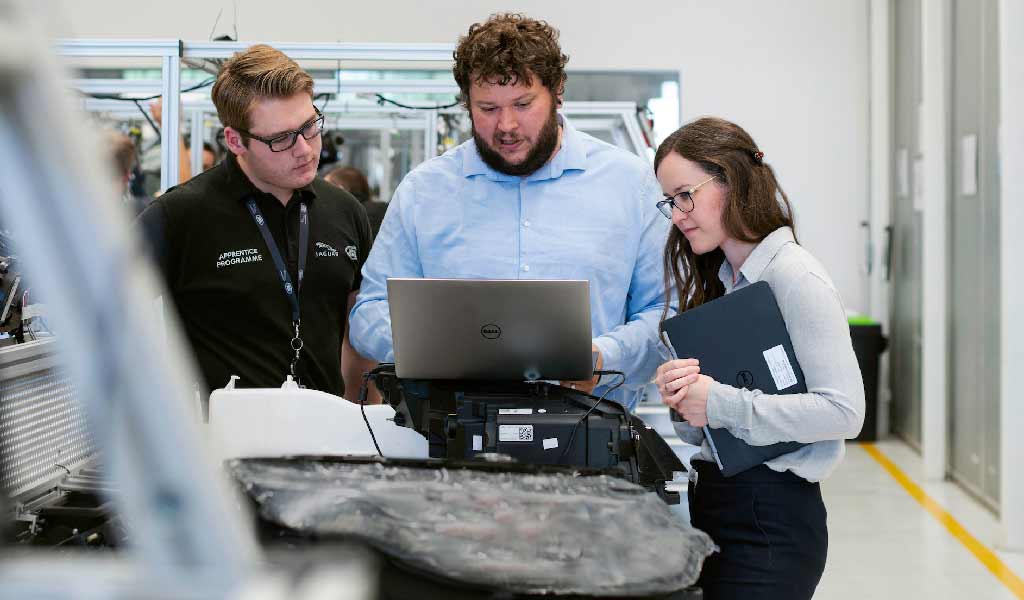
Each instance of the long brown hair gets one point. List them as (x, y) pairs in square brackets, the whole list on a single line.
[(754, 206)]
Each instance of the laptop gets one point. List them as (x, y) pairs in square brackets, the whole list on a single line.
[(740, 340), (491, 329)]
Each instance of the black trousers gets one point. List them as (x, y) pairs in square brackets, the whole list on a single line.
[(770, 528)]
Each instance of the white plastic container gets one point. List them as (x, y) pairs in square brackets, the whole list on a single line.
[(286, 421)]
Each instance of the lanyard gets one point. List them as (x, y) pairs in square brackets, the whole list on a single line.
[(290, 292)]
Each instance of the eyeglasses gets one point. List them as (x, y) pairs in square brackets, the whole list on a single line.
[(285, 141), (682, 201)]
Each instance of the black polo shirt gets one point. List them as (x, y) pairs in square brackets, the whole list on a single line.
[(223, 282)]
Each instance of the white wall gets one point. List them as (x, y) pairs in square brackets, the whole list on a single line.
[(1011, 149), (794, 73)]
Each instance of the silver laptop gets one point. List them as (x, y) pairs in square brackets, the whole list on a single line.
[(495, 329)]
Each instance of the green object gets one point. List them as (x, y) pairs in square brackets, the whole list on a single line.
[(861, 320), (868, 344)]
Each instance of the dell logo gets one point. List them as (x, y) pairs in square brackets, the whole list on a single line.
[(745, 379), (490, 331)]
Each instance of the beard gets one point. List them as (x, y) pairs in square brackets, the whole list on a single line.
[(543, 148)]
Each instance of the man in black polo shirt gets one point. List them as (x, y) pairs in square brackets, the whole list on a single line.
[(262, 259)]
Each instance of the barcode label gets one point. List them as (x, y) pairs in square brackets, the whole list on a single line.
[(779, 365), (515, 433)]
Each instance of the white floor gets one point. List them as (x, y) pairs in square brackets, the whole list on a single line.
[(884, 545)]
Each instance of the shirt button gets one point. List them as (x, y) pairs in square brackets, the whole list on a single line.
[(526, 223), (526, 268)]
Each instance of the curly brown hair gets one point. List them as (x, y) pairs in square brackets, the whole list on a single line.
[(509, 48), (755, 204)]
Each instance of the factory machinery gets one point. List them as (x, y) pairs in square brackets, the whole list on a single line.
[(464, 522)]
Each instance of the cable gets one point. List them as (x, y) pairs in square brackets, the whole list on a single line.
[(367, 376), (149, 119), (215, 21), (327, 98), (572, 434), (362, 409), (337, 91), (204, 83), (138, 101), (381, 100)]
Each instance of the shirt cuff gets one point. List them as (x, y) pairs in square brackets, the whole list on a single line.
[(610, 358), (725, 408)]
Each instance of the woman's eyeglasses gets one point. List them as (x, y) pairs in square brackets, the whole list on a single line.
[(682, 201)]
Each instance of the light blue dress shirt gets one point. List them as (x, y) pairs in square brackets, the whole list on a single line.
[(588, 213)]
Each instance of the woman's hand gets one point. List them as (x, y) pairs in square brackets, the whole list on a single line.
[(693, 407), (674, 379)]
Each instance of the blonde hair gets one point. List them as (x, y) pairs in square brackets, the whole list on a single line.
[(257, 73)]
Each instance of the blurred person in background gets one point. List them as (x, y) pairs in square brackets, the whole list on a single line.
[(123, 158), (354, 182)]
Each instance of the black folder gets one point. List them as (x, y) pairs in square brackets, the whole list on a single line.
[(740, 340)]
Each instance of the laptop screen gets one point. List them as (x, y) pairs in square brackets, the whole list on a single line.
[(491, 329)]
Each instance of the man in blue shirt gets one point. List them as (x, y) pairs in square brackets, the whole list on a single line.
[(528, 197)]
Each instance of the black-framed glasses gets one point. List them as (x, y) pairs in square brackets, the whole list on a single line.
[(285, 141), (683, 201)]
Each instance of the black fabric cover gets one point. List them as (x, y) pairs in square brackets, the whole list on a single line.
[(522, 532)]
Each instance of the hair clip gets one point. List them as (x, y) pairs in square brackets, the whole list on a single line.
[(758, 155)]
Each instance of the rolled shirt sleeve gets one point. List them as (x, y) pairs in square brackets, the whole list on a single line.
[(394, 254), (633, 347)]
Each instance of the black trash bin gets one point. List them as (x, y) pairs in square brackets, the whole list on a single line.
[(868, 345)]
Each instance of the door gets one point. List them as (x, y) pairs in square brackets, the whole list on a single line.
[(974, 294), (905, 256)]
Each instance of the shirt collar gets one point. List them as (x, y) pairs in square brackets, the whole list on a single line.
[(759, 259), (239, 185), (571, 156)]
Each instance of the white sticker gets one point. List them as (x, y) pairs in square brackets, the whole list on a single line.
[(515, 433), (782, 370), (903, 173), (478, 443), (550, 443), (918, 183), (969, 165), (515, 411)]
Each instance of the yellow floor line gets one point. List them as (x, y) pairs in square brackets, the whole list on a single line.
[(979, 550)]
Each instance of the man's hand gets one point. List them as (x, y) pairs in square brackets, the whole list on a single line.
[(588, 385), (184, 154), (156, 109)]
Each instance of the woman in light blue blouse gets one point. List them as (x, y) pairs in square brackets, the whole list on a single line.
[(734, 227)]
